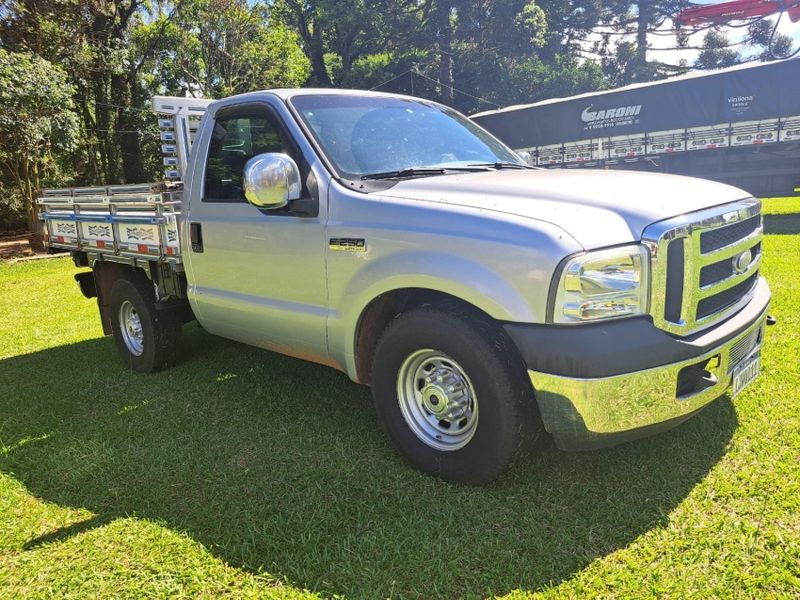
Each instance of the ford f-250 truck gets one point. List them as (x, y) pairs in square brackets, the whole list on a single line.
[(484, 301)]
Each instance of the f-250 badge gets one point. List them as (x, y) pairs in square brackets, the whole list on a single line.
[(348, 244)]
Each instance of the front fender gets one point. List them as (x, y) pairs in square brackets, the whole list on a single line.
[(457, 276)]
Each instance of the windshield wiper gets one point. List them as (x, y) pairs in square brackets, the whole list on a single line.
[(502, 165), (415, 171), (412, 172)]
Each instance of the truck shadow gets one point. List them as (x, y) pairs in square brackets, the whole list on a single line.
[(278, 465)]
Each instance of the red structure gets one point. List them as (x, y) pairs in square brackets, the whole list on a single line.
[(737, 10)]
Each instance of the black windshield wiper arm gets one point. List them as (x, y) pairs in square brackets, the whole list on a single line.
[(502, 165), (403, 173), (414, 171)]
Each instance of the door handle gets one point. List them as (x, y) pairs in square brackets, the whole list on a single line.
[(196, 236)]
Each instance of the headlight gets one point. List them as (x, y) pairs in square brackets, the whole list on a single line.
[(603, 285)]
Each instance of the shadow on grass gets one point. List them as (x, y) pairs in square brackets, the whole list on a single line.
[(782, 224), (279, 465)]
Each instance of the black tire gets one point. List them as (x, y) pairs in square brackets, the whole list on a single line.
[(160, 328), (507, 421)]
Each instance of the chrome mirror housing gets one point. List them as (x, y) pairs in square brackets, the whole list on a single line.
[(525, 156), (271, 180)]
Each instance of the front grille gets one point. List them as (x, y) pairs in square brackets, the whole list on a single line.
[(713, 304), (744, 347), (730, 234), (721, 270), (675, 257), (700, 272), (716, 272)]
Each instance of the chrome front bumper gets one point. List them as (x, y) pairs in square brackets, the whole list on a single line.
[(585, 413)]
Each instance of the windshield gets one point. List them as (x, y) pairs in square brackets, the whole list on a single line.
[(368, 135)]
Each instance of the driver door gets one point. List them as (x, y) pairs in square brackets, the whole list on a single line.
[(257, 276)]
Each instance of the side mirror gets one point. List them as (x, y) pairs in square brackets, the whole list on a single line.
[(271, 180), (526, 156)]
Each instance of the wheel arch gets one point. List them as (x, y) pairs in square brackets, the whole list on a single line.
[(105, 274), (499, 294), (388, 305)]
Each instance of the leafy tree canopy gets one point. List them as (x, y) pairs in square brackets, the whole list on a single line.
[(37, 122)]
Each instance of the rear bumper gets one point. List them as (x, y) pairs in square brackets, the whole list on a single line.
[(584, 408)]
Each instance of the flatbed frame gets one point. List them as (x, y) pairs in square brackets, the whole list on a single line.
[(129, 224)]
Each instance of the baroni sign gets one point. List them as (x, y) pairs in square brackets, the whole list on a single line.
[(610, 117)]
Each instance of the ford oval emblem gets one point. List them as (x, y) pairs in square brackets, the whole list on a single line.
[(742, 261)]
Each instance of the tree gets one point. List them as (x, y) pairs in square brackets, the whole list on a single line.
[(717, 52), (37, 123), (493, 38), (564, 76), (626, 27), (119, 52), (568, 25), (456, 45), (474, 55), (90, 40), (348, 29), (775, 45), (217, 48)]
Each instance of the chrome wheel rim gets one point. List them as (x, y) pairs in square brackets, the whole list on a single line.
[(131, 328), (437, 399)]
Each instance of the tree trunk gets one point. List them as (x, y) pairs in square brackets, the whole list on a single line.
[(27, 178), (318, 69), (102, 123), (36, 239), (130, 145), (445, 35), (107, 132), (92, 174), (642, 25), (311, 34)]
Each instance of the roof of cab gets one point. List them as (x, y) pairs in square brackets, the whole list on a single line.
[(286, 93)]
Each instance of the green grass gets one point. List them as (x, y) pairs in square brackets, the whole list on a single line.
[(245, 473)]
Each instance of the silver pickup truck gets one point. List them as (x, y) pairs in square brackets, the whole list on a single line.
[(484, 301)]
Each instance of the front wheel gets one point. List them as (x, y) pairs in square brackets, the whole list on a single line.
[(452, 394), (147, 338)]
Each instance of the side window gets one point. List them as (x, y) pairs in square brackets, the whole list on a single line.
[(237, 137)]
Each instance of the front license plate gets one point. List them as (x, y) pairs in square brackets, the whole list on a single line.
[(744, 373)]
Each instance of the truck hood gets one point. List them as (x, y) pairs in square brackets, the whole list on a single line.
[(597, 208)]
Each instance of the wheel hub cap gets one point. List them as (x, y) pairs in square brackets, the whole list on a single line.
[(131, 328), (437, 400)]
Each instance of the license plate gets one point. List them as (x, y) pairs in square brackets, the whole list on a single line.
[(744, 373)]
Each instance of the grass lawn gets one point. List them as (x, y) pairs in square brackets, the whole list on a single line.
[(245, 473)]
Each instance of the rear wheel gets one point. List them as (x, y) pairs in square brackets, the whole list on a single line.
[(147, 337), (130, 327), (453, 395)]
